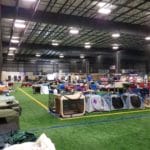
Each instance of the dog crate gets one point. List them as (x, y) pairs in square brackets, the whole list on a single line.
[(36, 89), (94, 103), (133, 101), (117, 102), (70, 105)]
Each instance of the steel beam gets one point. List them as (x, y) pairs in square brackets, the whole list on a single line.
[(117, 61), (60, 48), (77, 21), (71, 50), (1, 51)]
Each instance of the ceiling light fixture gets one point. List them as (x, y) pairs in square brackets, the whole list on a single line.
[(101, 4), (115, 47), (15, 37), (55, 43), (61, 56), (115, 35), (20, 25), (87, 45), (19, 21), (14, 41), (38, 55), (104, 11), (74, 31), (10, 54), (12, 48), (147, 38), (115, 44), (81, 56)]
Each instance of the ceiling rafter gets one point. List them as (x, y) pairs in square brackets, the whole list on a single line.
[(71, 20)]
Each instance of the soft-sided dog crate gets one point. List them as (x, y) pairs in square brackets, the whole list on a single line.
[(133, 101), (70, 105), (94, 103), (117, 102)]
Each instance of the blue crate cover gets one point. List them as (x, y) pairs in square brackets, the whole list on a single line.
[(96, 103)]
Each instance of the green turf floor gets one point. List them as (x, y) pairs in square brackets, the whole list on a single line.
[(117, 132)]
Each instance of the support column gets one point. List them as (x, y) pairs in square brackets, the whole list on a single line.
[(1, 52), (73, 66), (99, 63), (147, 67), (117, 61), (83, 66), (87, 66)]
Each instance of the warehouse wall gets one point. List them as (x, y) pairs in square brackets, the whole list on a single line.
[(36, 68), (94, 65), (5, 75), (28, 69)]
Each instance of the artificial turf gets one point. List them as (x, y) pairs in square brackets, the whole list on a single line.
[(117, 132)]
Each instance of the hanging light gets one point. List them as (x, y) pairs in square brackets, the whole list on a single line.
[(104, 11), (10, 54), (15, 37), (82, 56), (19, 24), (87, 45), (147, 38), (38, 55), (14, 41), (101, 4), (115, 47), (55, 43), (73, 31), (19, 21), (115, 35), (61, 56), (12, 48)]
